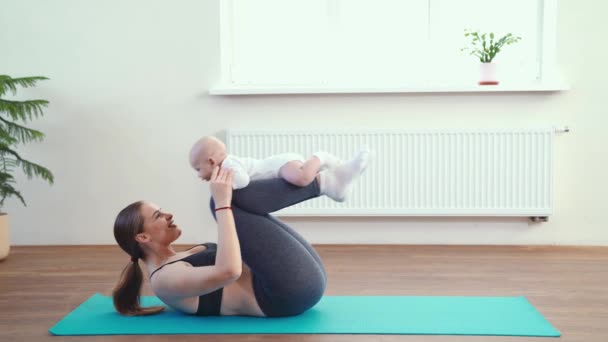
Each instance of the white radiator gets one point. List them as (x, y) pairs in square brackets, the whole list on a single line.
[(424, 173)]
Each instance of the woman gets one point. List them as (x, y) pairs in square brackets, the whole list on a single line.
[(259, 266)]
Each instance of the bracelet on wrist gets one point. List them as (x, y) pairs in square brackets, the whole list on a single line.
[(218, 209)]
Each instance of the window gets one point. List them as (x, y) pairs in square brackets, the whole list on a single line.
[(380, 43)]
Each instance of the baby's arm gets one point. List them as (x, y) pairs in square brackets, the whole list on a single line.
[(240, 178)]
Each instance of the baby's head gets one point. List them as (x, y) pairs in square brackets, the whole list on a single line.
[(207, 153)]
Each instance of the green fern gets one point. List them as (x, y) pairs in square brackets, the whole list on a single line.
[(13, 133), (484, 46)]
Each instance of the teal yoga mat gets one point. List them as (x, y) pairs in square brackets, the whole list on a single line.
[(513, 316)]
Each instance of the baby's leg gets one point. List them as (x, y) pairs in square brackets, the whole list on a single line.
[(300, 174)]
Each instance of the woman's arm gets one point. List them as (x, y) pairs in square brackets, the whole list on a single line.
[(228, 256), (181, 279)]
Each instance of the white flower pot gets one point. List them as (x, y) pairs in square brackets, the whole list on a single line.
[(488, 74)]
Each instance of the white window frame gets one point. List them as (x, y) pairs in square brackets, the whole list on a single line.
[(550, 78)]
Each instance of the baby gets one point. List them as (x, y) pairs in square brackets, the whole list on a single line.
[(209, 152)]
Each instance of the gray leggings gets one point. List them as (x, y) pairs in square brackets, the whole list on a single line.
[(288, 275)]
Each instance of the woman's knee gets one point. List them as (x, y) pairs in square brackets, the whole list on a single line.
[(309, 290), (308, 297)]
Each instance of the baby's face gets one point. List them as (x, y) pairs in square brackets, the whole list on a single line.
[(203, 168), (204, 160)]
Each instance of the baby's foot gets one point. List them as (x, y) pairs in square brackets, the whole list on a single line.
[(328, 160), (363, 158), (335, 182)]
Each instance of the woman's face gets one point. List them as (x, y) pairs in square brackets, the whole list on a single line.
[(158, 225)]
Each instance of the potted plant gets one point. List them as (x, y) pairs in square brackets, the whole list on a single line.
[(12, 133), (484, 47)]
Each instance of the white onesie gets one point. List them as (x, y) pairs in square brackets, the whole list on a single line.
[(247, 169)]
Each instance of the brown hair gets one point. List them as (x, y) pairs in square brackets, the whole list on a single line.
[(128, 224)]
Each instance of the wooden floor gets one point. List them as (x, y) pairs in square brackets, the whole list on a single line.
[(568, 285)]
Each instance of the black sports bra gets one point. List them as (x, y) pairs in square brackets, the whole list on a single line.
[(208, 304)]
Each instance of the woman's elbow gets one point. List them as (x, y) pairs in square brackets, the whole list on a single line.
[(236, 273), (231, 274)]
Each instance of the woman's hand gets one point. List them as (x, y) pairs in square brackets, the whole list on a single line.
[(220, 184)]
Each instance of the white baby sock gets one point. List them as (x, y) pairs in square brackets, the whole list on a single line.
[(334, 182), (328, 160)]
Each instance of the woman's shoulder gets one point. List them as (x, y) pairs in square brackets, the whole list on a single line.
[(204, 246), (166, 283), (170, 265), (178, 259)]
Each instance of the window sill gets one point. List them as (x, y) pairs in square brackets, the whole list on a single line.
[(262, 90)]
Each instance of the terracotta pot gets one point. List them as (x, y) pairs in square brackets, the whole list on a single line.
[(5, 244)]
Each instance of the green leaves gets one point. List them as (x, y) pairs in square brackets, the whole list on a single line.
[(8, 83), (486, 50), (20, 134), (6, 188), (13, 133), (23, 110)]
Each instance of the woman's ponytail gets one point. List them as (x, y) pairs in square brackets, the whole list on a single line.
[(128, 224), (126, 293)]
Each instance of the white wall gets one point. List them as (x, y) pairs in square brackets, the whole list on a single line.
[(128, 96)]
